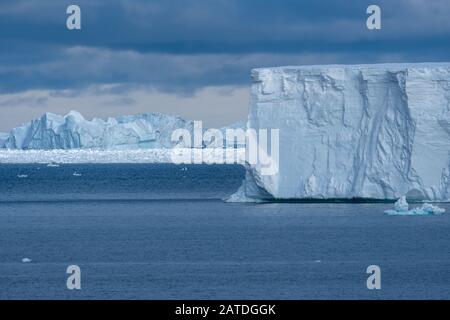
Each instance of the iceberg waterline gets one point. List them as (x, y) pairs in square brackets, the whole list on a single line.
[(353, 132)]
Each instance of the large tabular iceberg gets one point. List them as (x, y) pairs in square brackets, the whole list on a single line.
[(51, 131), (354, 131)]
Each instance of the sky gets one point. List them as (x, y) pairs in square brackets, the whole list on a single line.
[(191, 57)]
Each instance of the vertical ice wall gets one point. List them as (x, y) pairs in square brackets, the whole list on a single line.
[(354, 131)]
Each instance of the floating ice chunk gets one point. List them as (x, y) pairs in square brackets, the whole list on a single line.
[(76, 174), (401, 204), (424, 210), (22, 176), (430, 209), (26, 260), (52, 165)]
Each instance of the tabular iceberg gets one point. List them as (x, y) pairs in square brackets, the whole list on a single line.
[(353, 131), (51, 131)]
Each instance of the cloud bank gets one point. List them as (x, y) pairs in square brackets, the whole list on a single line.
[(182, 47)]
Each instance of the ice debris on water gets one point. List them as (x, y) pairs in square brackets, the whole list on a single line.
[(52, 165), (401, 208), (26, 260), (401, 205)]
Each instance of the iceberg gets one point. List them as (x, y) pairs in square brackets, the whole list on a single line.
[(3, 137), (353, 132), (239, 125), (73, 131), (401, 205)]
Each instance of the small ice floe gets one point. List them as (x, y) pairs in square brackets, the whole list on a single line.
[(76, 174), (317, 261), (26, 260), (52, 165), (428, 208), (401, 208), (22, 176), (184, 169)]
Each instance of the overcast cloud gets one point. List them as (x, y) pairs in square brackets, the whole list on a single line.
[(191, 57)]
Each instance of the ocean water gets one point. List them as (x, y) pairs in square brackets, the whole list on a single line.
[(163, 232)]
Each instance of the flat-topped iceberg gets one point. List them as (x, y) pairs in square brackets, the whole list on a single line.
[(353, 131)]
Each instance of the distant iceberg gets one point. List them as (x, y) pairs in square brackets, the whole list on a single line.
[(230, 143), (3, 137), (73, 131)]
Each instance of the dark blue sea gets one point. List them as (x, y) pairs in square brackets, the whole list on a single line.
[(163, 232)]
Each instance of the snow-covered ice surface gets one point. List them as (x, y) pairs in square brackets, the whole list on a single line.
[(53, 157), (354, 131)]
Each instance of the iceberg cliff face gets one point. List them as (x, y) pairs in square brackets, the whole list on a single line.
[(356, 131), (3, 137), (72, 131)]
